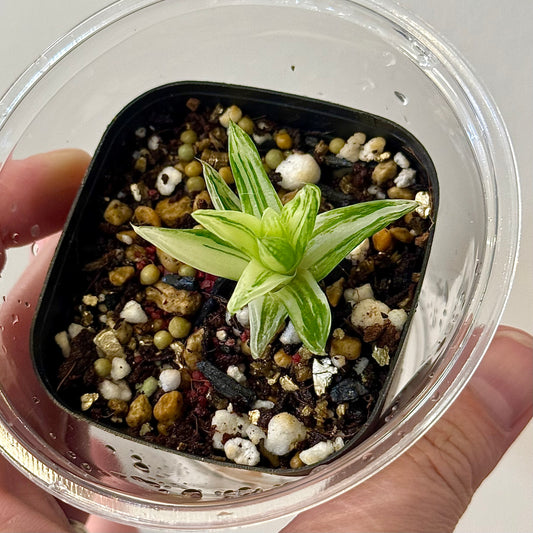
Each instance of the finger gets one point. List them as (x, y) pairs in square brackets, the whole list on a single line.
[(429, 487), (36, 194), (24, 507)]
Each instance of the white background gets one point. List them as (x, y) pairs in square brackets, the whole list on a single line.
[(497, 40)]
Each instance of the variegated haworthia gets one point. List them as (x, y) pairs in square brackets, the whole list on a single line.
[(276, 253)]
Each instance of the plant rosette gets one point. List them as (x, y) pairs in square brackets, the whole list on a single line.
[(276, 253)]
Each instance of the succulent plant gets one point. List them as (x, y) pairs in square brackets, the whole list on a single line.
[(276, 253)]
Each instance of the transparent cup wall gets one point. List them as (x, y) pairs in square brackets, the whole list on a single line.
[(359, 55)]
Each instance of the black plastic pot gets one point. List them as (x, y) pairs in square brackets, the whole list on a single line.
[(162, 108)]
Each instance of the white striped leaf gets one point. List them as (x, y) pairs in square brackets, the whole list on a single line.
[(308, 310), (298, 217), (277, 254), (339, 231), (271, 224), (222, 196), (255, 281), (235, 227), (254, 188), (267, 317), (198, 248)]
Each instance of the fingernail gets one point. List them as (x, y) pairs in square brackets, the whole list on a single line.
[(504, 379)]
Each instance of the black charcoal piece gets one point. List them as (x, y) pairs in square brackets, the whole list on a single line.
[(181, 282), (226, 385), (345, 391)]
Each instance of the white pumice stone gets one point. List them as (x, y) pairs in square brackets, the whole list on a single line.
[(261, 138), (263, 404), (74, 329), (398, 318), (424, 209), (298, 170), (401, 160), (136, 192), (354, 296), (236, 373), (255, 434), (317, 453), (120, 368), (338, 361), (133, 313), (167, 180), (368, 313), (242, 452), (372, 149), (376, 191), (115, 391), (351, 149), (284, 432), (140, 132), (405, 178), (359, 253), (290, 335), (243, 317), (226, 422), (338, 444), (323, 372), (222, 335), (153, 142), (63, 342), (170, 379)]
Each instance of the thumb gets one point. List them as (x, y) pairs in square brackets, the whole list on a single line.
[(429, 487)]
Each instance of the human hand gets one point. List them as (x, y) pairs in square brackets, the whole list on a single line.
[(429, 487), (35, 196)]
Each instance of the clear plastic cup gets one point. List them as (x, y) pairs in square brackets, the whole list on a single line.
[(367, 55)]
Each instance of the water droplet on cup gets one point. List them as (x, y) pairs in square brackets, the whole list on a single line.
[(435, 397), (14, 319), (390, 59), (36, 400), (15, 238), (53, 436), (367, 84), (141, 466), (87, 466), (35, 248), (367, 457), (401, 97)]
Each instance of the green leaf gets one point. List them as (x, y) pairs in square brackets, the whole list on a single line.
[(234, 227), (277, 254), (255, 190), (198, 248), (339, 231), (308, 310), (222, 196), (298, 217), (255, 281), (267, 317), (271, 225)]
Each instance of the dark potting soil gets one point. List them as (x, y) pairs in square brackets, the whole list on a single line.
[(206, 351)]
